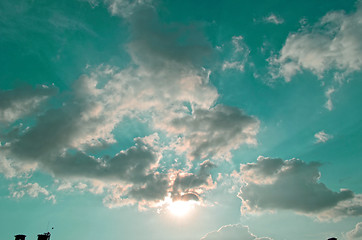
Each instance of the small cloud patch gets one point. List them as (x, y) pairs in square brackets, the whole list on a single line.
[(322, 137)]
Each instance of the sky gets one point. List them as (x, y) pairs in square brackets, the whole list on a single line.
[(181, 120)]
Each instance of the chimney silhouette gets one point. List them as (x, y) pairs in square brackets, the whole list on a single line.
[(20, 237), (45, 236)]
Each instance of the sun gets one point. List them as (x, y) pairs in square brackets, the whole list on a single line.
[(181, 208)]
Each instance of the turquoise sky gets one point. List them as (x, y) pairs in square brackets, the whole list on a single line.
[(165, 120)]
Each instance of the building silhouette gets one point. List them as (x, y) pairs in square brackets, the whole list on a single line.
[(20, 237), (44, 236)]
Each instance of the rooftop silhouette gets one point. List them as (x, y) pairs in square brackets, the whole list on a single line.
[(44, 236)]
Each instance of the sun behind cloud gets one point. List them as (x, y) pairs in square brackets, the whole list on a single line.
[(181, 208)]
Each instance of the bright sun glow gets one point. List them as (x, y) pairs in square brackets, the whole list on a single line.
[(181, 208)]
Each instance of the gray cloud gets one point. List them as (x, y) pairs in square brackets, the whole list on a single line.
[(232, 232), (355, 233), (71, 125), (75, 124), (349, 207), (214, 132), (135, 167), (290, 184), (155, 45), (185, 184), (20, 102)]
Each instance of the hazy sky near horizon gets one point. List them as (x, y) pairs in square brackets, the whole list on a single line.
[(163, 119)]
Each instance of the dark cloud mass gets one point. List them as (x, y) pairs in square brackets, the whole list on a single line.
[(290, 184)]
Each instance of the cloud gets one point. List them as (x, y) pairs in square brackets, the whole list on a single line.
[(31, 189), (329, 103), (333, 43), (215, 132), (232, 232), (188, 185), (272, 18), (10, 168), (136, 167), (322, 137), (272, 184), (239, 55), (355, 233), (349, 207), (155, 45), (15, 104), (163, 81)]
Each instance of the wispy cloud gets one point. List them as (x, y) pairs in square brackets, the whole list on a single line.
[(272, 18), (239, 55)]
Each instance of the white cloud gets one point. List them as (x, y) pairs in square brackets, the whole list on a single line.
[(272, 18), (355, 233), (333, 43), (65, 186), (322, 137), (238, 65), (69, 186), (81, 186), (33, 190), (10, 168), (232, 232), (272, 184)]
